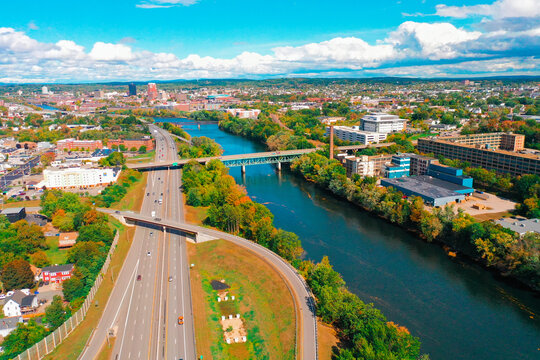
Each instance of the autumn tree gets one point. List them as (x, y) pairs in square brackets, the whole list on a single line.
[(17, 275)]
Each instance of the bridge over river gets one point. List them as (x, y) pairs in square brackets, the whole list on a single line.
[(243, 160)]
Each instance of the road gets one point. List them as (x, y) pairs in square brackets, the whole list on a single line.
[(10, 177), (144, 305)]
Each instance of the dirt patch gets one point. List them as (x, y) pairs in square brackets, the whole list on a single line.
[(327, 340), (234, 330)]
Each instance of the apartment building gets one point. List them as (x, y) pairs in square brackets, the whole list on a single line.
[(489, 157), (354, 134), (383, 123), (77, 178), (366, 165)]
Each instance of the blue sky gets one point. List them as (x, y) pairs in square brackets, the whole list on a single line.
[(68, 41)]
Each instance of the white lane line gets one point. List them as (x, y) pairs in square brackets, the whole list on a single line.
[(125, 292), (127, 316)]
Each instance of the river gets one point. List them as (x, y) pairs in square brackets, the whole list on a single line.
[(457, 309)]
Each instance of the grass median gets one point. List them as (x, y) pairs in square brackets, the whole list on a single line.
[(262, 299)]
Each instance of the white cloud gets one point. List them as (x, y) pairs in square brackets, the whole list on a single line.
[(24, 59), (111, 52), (434, 41), (32, 25), (160, 4), (498, 10)]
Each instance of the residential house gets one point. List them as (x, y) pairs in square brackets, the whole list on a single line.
[(20, 303), (57, 273)]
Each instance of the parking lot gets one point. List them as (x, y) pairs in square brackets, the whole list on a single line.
[(485, 209)]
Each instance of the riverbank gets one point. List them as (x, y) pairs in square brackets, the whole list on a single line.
[(484, 242)]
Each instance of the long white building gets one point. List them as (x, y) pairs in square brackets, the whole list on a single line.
[(354, 134), (78, 177), (383, 123)]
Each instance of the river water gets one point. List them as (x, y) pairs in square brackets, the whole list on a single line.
[(457, 309)]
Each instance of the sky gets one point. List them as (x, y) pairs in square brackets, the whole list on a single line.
[(61, 41)]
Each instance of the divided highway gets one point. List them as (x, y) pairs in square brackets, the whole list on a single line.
[(153, 287)]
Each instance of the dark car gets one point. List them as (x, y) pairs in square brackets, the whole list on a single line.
[(139, 277)]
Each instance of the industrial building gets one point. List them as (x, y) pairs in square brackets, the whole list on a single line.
[(442, 185), (486, 150), (520, 226), (383, 123), (354, 134), (132, 143), (366, 165), (72, 144)]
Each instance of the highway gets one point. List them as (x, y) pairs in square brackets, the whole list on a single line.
[(153, 287)]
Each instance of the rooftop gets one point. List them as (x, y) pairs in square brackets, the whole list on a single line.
[(522, 226), (15, 210), (427, 186), (58, 268)]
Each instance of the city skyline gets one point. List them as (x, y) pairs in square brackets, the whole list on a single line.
[(61, 42)]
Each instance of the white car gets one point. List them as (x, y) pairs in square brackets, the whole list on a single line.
[(148, 253)]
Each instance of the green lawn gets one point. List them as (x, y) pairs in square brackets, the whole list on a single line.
[(263, 300), (55, 255), (142, 157)]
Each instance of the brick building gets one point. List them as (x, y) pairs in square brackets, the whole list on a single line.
[(132, 143), (71, 144)]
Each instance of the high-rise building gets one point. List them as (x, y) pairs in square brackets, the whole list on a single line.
[(44, 90), (152, 91), (132, 89)]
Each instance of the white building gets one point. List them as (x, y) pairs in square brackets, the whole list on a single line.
[(19, 303), (244, 114), (78, 177), (383, 123), (354, 134), (44, 90)]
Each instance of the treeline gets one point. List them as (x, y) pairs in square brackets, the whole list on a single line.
[(364, 331), (493, 245), (176, 130), (200, 147), (266, 131), (88, 255)]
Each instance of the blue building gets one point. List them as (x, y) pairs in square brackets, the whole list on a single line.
[(440, 186), (400, 167)]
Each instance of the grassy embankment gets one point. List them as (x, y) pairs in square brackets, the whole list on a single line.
[(134, 197), (263, 300), (142, 158)]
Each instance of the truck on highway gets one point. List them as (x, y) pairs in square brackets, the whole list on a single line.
[(160, 201), (153, 213)]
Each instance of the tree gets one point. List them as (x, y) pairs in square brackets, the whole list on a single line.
[(142, 149), (133, 149), (40, 259), (73, 288), (17, 275), (115, 158), (122, 147), (23, 337), (56, 314)]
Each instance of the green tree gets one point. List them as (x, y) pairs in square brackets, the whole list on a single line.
[(142, 149), (40, 259), (17, 275), (24, 336), (73, 288), (55, 313)]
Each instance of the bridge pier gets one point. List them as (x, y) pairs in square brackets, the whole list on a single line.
[(243, 169), (279, 166)]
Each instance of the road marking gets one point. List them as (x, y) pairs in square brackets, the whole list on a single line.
[(127, 315), (125, 292)]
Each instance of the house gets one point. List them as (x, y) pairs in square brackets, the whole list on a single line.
[(67, 239), (20, 303), (7, 325), (14, 214), (56, 273)]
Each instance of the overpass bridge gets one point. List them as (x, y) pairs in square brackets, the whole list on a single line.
[(243, 160)]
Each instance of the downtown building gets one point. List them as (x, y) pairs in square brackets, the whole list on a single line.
[(503, 153)]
